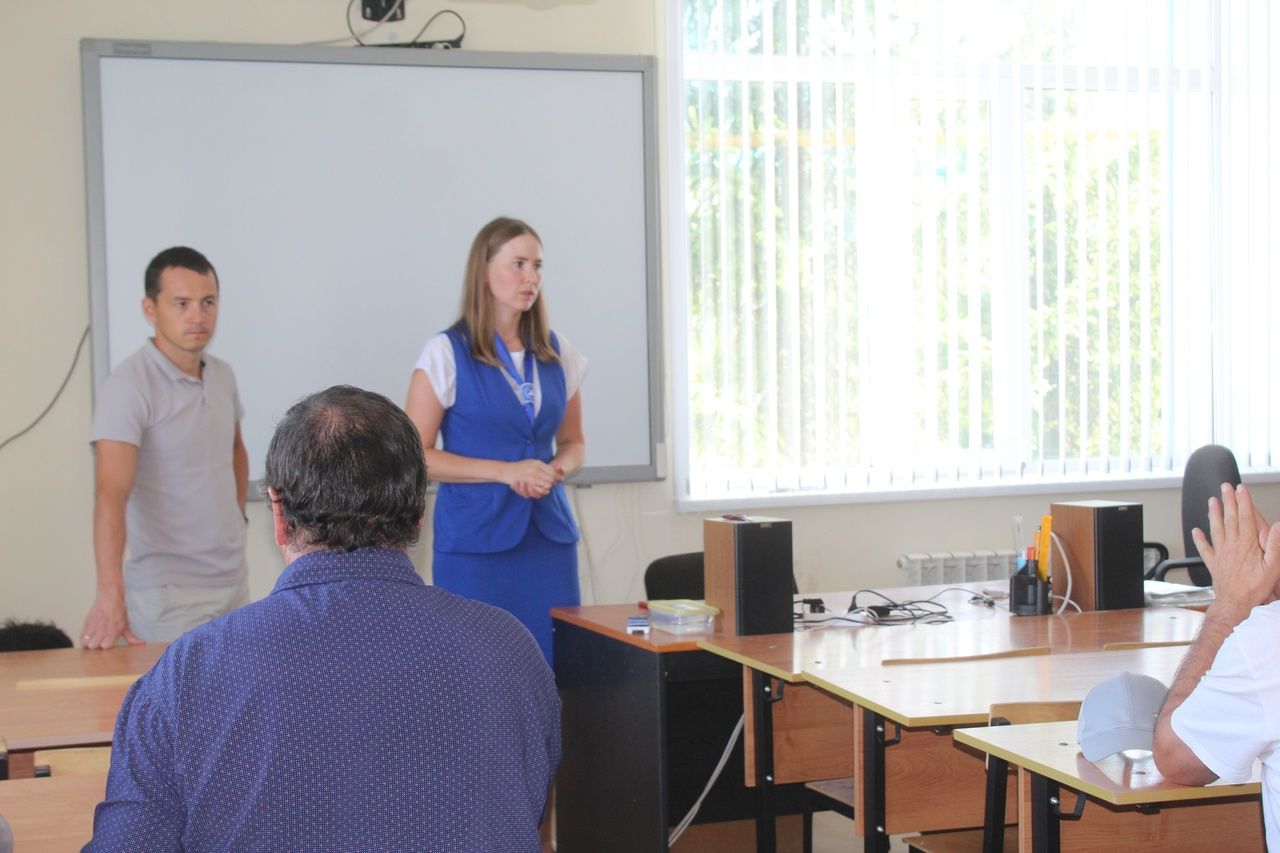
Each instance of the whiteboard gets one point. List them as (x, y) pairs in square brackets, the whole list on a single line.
[(337, 190)]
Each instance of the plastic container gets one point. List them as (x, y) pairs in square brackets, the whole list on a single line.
[(683, 616)]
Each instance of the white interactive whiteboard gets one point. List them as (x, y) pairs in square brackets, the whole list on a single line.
[(337, 190)]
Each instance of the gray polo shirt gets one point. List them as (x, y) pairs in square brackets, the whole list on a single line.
[(183, 521)]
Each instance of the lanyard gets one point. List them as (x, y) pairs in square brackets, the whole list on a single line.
[(525, 388)]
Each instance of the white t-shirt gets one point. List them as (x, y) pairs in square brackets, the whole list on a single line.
[(1232, 718), (437, 362)]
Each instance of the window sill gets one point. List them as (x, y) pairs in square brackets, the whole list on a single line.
[(1081, 488)]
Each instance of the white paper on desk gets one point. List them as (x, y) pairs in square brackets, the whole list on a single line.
[(1165, 594)]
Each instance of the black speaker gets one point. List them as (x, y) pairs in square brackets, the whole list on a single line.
[(1103, 540), (747, 569)]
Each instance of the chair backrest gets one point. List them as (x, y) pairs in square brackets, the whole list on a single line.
[(1153, 554), (676, 576), (1207, 469)]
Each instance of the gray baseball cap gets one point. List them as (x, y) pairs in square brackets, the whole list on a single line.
[(1118, 714)]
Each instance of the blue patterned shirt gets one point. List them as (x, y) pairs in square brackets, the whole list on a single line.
[(354, 708)]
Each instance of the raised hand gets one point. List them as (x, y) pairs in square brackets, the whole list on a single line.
[(1241, 552)]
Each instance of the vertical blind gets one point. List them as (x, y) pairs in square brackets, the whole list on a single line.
[(938, 245)]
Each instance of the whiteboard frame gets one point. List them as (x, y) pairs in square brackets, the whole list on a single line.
[(93, 51)]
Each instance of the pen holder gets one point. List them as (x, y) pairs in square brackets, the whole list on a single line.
[(1028, 595)]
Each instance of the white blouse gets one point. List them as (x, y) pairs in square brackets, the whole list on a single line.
[(437, 362)]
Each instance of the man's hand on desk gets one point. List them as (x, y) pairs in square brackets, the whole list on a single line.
[(107, 622)]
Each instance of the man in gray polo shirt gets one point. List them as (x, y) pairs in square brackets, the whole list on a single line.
[(171, 470)]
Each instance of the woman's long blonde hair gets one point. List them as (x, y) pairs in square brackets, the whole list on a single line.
[(476, 321)]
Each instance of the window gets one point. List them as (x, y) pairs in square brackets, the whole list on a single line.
[(935, 245)]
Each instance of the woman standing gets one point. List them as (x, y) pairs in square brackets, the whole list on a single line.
[(503, 391)]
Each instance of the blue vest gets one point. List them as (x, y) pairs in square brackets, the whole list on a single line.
[(486, 421)]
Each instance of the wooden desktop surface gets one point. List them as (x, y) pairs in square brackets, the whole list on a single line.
[(1050, 749), (977, 632), (928, 782), (77, 663), (65, 697), (611, 621), (51, 815), (841, 639), (961, 693), (44, 719)]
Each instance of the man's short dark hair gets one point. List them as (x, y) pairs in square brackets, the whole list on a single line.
[(18, 636), (346, 466), (177, 256)]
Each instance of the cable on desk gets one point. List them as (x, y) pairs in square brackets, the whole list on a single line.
[(848, 619), (984, 598), (923, 611), (803, 610)]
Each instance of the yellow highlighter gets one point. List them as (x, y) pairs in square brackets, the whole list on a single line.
[(1042, 550)]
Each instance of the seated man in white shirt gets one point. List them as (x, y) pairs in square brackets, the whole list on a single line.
[(1223, 709)]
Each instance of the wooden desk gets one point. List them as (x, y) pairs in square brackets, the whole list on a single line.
[(814, 734), (951, 694), (64, 697), (54, 814), (795, 732), (980, 633), (1128, 805), (918, 780), (644, 721), (77, 663)]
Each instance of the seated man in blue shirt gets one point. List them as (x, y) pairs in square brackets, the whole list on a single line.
[(354, 708)]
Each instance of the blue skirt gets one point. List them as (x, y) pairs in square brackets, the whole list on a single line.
[(526, 581)]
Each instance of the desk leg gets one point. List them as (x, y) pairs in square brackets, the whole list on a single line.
[(1044, 815), (762, 698), (874, 839), (993, 818)]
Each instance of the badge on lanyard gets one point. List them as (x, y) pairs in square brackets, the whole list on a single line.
[(524, 385)]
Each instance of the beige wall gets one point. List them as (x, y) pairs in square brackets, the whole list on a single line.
[(46, 477)]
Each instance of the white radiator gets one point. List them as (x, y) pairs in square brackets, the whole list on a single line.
[(957, 566)]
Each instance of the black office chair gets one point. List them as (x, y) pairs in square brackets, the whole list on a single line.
[(676, 576), (1153, 554), (1207, 469)]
